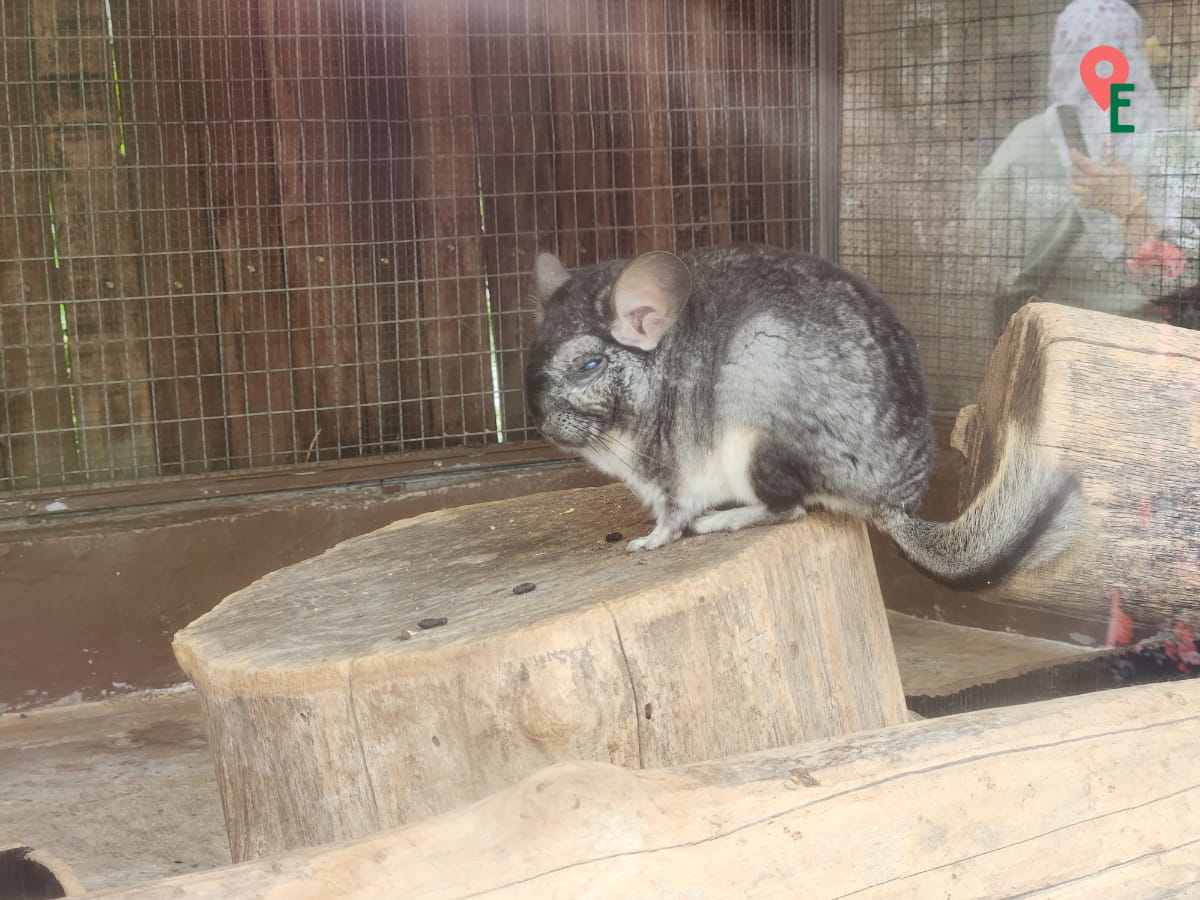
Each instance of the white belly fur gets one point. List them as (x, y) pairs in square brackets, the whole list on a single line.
[(722, 477)]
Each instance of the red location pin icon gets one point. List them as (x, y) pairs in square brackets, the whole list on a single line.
[(1098, 86)]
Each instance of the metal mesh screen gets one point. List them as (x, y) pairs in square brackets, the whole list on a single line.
[(957, 197), (246, 235)]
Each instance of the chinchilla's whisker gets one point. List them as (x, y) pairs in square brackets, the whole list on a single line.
[(611, 440)]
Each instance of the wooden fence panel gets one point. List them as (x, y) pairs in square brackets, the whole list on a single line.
[(393, 392), (510, 72), (83, 153), (641, 128), (225, 54), (454, 322), (306, 65), (39, 441), (580, 55), (179, 266), (775, 97), (700, 134)]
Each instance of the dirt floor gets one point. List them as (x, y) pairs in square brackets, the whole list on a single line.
[(123, 790), (120, 790)]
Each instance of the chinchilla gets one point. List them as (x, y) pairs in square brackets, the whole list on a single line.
[(743, 385)]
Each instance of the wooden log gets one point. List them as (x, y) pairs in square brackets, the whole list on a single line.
[(1090, 796), (30, 874), (1117, 401), (332, 714)]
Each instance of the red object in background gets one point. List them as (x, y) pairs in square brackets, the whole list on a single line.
[(1157, 257), (1182, 649), (1120, 626)]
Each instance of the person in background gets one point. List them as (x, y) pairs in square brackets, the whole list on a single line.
[(1095, 225), (1180, 157)]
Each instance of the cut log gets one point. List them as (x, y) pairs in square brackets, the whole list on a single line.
[(1118, 402), (1085, 797), (333, 714)]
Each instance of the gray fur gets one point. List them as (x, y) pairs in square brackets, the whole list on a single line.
[(743, 385)]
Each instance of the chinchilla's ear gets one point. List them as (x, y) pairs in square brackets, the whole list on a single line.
[(548, 276), (648, 297)]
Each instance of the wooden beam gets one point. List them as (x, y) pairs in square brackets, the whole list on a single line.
[(284, 478)]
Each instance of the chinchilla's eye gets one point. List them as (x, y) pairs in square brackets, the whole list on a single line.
[(589, 365)]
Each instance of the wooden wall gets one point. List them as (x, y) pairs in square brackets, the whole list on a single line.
[(249, 234)]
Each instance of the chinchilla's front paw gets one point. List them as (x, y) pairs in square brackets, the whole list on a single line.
[(659, 537)]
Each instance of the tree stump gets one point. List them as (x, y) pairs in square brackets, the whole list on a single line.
[(1117, 401), (1084, 797), (332, 713)]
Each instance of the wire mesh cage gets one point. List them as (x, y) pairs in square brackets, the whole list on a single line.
[(242, 236), (236, 236), (959, 194)]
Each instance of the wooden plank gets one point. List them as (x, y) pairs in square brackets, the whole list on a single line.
[(778, 134), (164, 819), (87, 184), (306, 65), (1040, 801), (222, 51), (699, 108), (454, 321), (641, 129), (180, 265), (394, 403), (39, 448), (937, 658), (510, 71), (345, 472), (580, 55)]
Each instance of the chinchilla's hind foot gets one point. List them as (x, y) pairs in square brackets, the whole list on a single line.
[(740, 517)]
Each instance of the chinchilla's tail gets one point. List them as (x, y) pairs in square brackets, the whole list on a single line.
[(1028, 515)]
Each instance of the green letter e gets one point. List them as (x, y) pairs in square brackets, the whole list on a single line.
[(1116, 101)]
